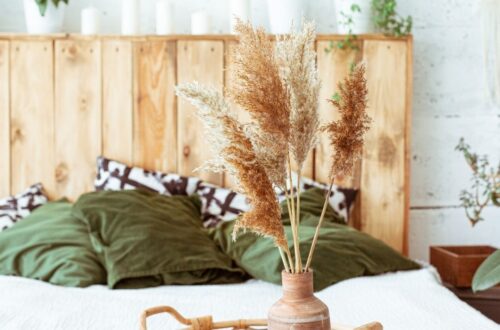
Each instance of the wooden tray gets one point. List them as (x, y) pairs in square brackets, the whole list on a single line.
[(206, 323)]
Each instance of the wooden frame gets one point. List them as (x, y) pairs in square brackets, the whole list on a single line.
[(65, 99)]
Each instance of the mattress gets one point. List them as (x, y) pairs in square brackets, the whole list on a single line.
[(404, 300)]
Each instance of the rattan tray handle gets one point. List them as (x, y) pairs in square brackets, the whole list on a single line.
[(206, 323)]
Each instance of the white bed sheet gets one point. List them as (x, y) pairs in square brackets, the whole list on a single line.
[(401, 301)]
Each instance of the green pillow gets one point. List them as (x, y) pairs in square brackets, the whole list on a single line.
[(311, 202), (341, 253), (145, 239), (52, 246)]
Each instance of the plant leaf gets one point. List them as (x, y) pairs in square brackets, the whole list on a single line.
[(42, 6), (488, 274)]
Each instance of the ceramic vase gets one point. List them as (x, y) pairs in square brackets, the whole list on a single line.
[(51, 22), (298, 309)]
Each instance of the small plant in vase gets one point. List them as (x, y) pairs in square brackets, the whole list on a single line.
[(485, 190), (279, 87), (44, 16)]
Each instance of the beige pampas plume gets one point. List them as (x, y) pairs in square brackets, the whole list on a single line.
[(236, 155), (346, 134), (297, 58), (258, 89)]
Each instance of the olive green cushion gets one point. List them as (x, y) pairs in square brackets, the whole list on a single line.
[(145, 239), (51, 245), (342, 252)]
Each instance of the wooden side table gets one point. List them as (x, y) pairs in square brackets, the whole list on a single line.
[(487, 302)]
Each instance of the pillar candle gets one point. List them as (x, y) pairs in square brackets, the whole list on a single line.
[(239, 9), (164, 17), (130, 17), (90, 20), (200, 23)]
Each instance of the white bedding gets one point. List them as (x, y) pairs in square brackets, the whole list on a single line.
[(402, 301)]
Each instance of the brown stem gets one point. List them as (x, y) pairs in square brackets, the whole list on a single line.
[(283, 258), (296, 240), (297, 220), (316, 234), (290, 213)]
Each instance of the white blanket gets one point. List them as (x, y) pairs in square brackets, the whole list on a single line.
[(400, 301)]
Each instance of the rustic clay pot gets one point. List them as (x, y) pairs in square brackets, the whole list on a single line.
[(298, 309)]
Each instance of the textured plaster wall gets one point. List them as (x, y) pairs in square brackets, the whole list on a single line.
[(449, 100)]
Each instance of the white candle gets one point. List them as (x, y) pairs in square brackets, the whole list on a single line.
[(164, 17), (90, 20), (200, 23), (130, 17), (239, 9)]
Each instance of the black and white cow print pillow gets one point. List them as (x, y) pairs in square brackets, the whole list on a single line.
[(15, 208), (113, 175), (341, 199)]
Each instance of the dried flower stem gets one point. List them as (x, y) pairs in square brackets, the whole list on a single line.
[(316, 234), (295, 227), (291, 214), (297, 217), (283, 258)]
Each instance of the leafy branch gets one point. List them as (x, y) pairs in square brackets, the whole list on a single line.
[(387, 19), (485, 186), (42, 5)]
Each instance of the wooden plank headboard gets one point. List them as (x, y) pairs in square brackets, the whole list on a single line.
[(66, 99)]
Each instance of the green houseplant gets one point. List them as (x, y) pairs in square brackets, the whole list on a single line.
[(484, 191), (44, 16)]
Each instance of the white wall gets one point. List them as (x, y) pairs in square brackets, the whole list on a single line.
[(449, 100)]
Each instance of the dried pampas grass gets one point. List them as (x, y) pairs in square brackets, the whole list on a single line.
[(346, 134), (235, 154), (298, 62), (258, 89)]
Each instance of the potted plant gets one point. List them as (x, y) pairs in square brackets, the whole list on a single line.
[(476, 266), (279, 87), (44, 16)]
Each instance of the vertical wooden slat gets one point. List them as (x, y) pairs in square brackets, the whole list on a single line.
[(383, 175), (202, 61), (78, 115), (117, 100), (32, 114), (4, 120), (155, 131), (333, 67)]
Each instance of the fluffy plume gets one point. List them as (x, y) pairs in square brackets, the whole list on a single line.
[(346, 134), (258, 89), (298, 61), (236, 155)]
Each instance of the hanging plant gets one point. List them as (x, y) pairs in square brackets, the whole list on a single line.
[(42, 5), (387, 19)]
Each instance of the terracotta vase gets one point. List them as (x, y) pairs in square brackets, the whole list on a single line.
[(298, 309)]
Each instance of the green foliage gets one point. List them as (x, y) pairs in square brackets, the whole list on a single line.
[(387, 19), (42, 4), (485, 184), (349, 40), (488, 274)]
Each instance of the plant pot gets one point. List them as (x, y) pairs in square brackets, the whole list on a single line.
[(51, 22), (282, 13), (354, 16), (298, 309), (458, 264)]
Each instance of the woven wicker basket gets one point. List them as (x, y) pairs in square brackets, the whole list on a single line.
[(206, 322)]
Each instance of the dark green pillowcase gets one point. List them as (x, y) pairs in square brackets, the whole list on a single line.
[(52, 246), (146, 239), (311, 203)]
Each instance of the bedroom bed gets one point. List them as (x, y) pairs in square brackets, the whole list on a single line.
[(412, 300)]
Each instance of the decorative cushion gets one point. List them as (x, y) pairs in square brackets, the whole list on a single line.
[(220, 204), (14, 208), (113, 175), (341, 199)]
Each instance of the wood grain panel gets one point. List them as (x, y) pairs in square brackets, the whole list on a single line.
[(32, 115), (77, 115), (117, 100), (202, 61), (333, 67), (384, 164), (4, 120), (155, 131)]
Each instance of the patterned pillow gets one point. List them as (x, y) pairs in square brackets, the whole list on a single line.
[(113, 175), (341, 199), (14, 208)]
